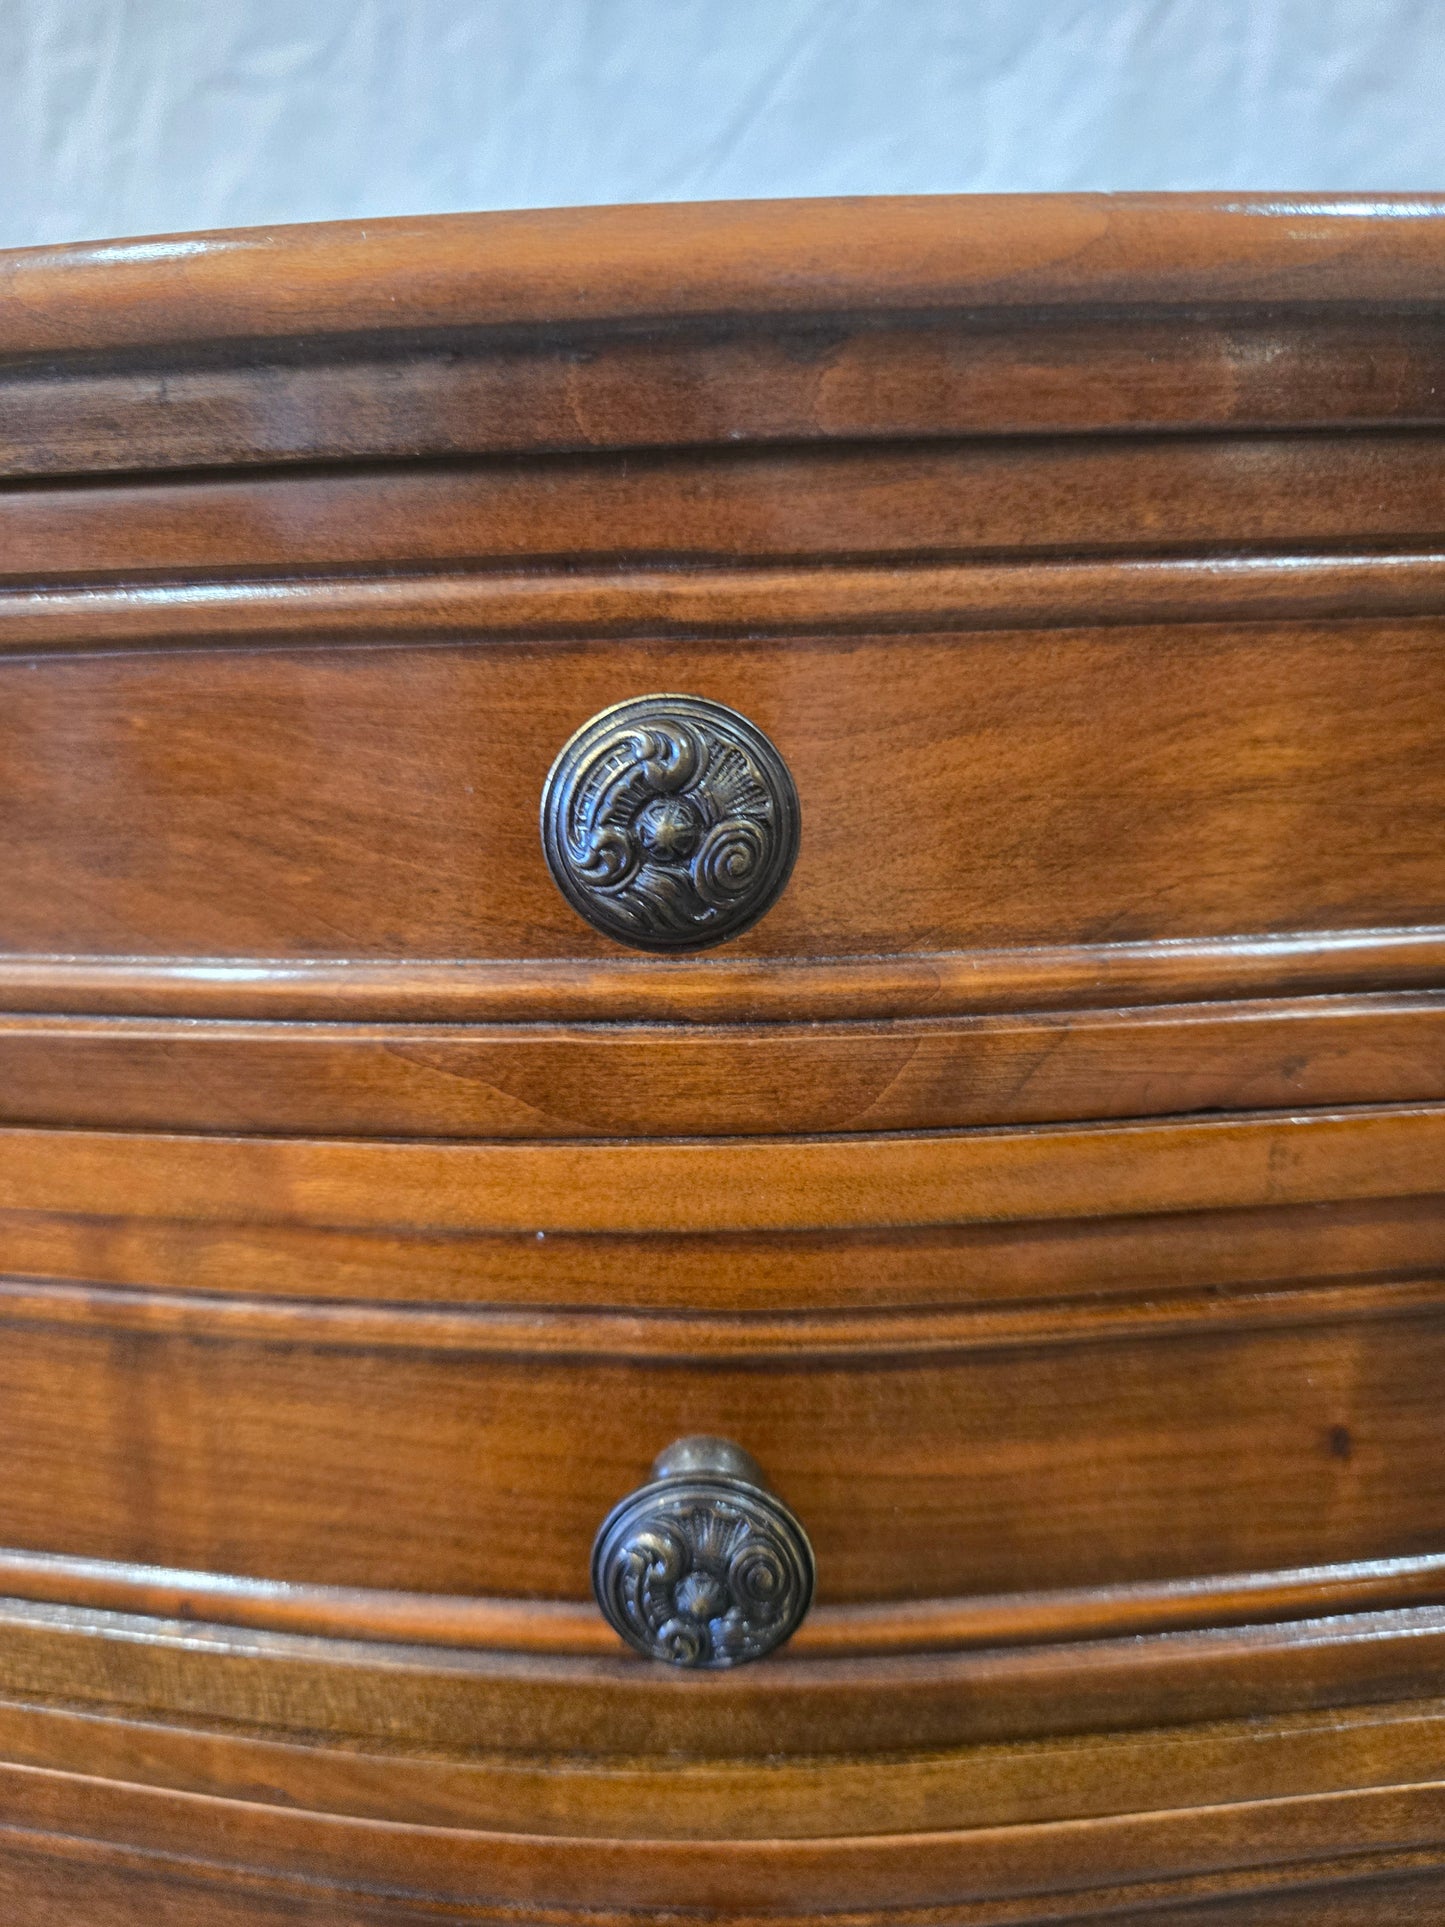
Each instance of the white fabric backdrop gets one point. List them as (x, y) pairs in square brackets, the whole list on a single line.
[(143, 116)]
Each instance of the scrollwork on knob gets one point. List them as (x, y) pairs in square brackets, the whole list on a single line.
[(703, 1566), (670, 822)]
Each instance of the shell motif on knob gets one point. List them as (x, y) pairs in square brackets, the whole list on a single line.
[(670, 822), (703, 1566)]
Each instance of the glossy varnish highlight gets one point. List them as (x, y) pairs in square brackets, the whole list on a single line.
[(1047, 1188)]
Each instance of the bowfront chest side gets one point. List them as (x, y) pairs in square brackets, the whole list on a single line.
[(722, 1069)]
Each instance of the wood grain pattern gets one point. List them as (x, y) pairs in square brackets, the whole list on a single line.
[(570, 1628), (617, 1710), (768, 257), (120, 1889), (721, 602), (717, 324), (1049, 1189), (1291, 1758), (739, 990), (835, 1337), (348, 1450), (274, 403), (721, 259), (889, 1269), (739, 1184), (117, 1889), (377, 802), (475, 1867), (981, 1785), (420, 1080), (1128, 496)]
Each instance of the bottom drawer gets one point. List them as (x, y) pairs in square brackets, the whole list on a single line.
[(1118, 1447), (1146, 1436), (972, 1382)]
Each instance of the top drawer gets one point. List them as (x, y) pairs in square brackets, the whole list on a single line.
[(963, 789), (1090, 587)]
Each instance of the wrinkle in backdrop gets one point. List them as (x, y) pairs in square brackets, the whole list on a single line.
[(143, 116)]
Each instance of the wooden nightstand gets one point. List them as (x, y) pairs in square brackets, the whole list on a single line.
[(812, 830)]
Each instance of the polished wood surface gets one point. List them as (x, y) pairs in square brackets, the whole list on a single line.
[(349, 801), (641, 1080), (646, 327), (1136, 497), (924, 1460), (782, 257), (1049, 1189)]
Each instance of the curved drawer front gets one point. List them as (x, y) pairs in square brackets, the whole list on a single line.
[(360, 1409), (398, 1451), (958, 791), (721, 943), (434, 1369)]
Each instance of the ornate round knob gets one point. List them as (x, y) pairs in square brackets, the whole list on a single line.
[(703, 1566), (670, 822)]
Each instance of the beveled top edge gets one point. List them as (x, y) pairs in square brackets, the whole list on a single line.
[(727, 258)]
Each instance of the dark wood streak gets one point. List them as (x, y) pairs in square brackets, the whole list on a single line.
[(462, 393), (1050, 1189), (788, 514)]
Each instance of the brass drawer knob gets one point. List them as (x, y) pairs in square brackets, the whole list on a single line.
[(703, 1566), (670, 822)]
